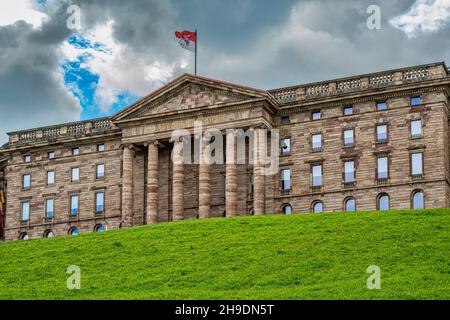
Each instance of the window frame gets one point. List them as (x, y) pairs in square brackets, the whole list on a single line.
[(379, 196), (22, 211), (312, 142), (101, 145), (54, 178), (346, 200), (288, 153), (422, 163), (377, 172), (346, 108), (381, 102), (315, 112), (344, 172), (286, 205), (97, 177), (23, 181), (417, 136), (415, 105), (72, 196), (73, 151), (282, 184), (378, 141), (96, 203), (413, 194), (313, 165), (71, 174), (353, 137), (26, 158), (53, 153), (285, 120), (316, 202)]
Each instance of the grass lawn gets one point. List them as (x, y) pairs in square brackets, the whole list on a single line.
[(322, 256)]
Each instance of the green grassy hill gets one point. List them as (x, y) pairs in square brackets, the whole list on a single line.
[(271, 257)]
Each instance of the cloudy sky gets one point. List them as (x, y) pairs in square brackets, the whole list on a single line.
[(125, 49)]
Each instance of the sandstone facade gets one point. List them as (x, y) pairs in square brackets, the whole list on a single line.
[(142, 185)]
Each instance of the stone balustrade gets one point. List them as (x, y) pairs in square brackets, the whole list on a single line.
[(69, 130), (360, 83)]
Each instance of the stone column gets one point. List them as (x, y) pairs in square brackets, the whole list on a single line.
[(204, 193), (231, 175), (259, 183), (178, 181), (152, 182), (127, 186)]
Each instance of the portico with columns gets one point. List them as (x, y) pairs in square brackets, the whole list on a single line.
[(159, 186)]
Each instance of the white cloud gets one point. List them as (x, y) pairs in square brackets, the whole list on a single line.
[(12, 11), (424, 16), (119, 69)]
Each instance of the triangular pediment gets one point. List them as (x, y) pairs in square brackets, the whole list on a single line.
[(189, 93)]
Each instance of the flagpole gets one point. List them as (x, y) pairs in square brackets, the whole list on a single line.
[(196, 40)]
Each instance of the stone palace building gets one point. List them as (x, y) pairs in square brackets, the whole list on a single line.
[(371, 142)]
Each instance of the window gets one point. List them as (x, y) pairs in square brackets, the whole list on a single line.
[(382, 106), (99, 228), (317, 207), (75, 151), (316, 142), (49, 234), (24, 236), (415, 101), (49, 207), (382, 167), (27, 158), (382, 135), (25, 211), (75, 176), (51, 155), (416, 129), (74, 205), (383, 202), (316, 115), (286, 209), (50, 178), (99, 202), (286, 179), (285, 146), (251, 182), (349, 137), (348, 111), (350, 205), (100, 147), (26, 181), (349, 171), (285, 120), (73, 231), (418, 200), (100, 171), (417, 163), (317, 175)]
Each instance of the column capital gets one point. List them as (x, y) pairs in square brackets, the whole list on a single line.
[(128, 146), (155, 143)]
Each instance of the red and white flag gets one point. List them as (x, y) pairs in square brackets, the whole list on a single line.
[(187, 39)]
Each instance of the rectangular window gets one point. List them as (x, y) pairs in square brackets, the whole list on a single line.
[(101, 147), (349, 137), (26, 181), (99, 202), (382, 106), (285, 120), (317, 175), (348, 111), (25, 211), (285, 146), (74, 205), (49, 207), (50, 178), (285, 177), (382, 168), (416, 128), (316, 142), (75, 176), (417, 163), (349, 171), (251, 184), (27, 158), (316, 115), (75, 151), (51, 155), (382, 134), (415, 101), (100, 171)]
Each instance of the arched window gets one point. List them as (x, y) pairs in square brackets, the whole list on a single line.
[(350, 204), (49, 234), (286, 208), (251, 212), (317, 207), (383, 202), (24, 236), (73, 231), (99, 228), (418, 202)]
